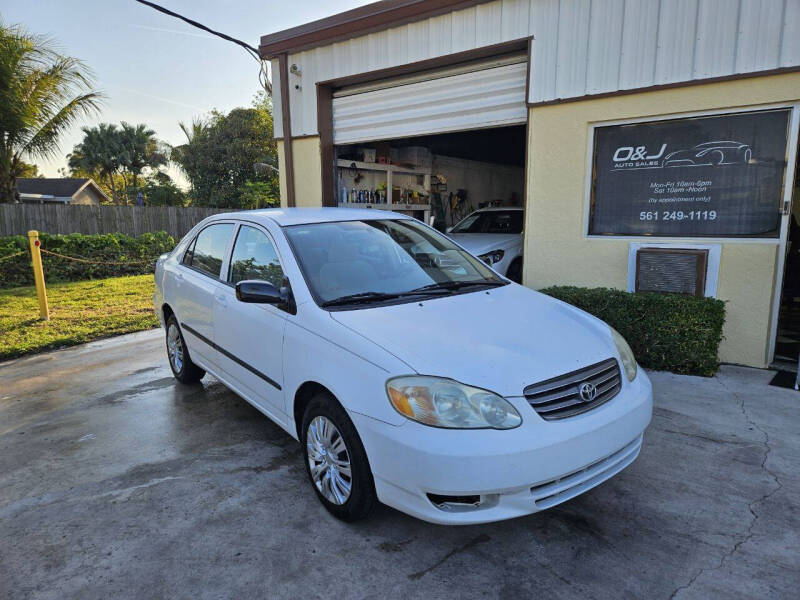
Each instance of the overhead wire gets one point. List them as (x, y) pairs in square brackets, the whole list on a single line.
[(263, 74)]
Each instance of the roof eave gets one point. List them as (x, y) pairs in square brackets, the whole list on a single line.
[(355, 22)]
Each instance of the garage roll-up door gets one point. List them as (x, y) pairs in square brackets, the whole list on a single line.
[(487, 94)]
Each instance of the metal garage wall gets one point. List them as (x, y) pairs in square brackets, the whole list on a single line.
[(488, 97), (580, 46)]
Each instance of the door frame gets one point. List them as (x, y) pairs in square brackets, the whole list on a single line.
[(788, 200)]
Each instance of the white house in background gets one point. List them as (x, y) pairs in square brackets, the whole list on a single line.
[(60, 190)]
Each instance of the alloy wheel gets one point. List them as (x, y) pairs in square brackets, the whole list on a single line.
[(328, 460), (175, 347)]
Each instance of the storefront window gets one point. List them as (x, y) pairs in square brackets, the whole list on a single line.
[(715, 176)]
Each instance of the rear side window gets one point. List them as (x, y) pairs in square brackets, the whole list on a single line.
[(207, 251), (254, 257)]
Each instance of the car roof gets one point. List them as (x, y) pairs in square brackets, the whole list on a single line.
[(302, 216)]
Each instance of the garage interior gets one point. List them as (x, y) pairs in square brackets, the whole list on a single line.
[(446, 176)]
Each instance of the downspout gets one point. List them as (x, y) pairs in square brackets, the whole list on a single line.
[(283, 64)]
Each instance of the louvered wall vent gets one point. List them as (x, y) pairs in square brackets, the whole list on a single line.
[(675, 270)]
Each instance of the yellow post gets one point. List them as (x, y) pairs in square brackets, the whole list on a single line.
[(38, 274)]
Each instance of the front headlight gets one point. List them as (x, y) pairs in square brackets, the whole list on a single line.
[(625, 353), (490, 258), (441, 402)]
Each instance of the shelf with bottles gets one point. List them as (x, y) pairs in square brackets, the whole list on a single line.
[(363, 183), (406, 196), (382, 206)]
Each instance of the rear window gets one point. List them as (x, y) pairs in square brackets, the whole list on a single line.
[(207, 251)]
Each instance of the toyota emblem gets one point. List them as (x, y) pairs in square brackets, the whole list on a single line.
[(588, 392)]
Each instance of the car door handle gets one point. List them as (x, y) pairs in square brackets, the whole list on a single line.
[(222, 300)]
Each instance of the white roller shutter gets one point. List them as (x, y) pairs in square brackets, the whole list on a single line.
[(489, 94)]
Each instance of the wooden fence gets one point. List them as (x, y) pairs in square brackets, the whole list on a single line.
[(18, 219)]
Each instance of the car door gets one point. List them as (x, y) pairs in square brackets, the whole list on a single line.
[(250, 336), (197, 280)]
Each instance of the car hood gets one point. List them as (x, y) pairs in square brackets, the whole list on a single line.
[(500, 341), (479, 243)]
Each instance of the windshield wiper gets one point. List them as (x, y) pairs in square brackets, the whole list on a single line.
[(360, 298), (433, 288), (365, 297), (457, 285)]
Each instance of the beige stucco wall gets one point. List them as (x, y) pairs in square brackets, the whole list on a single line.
[(307, 171), (557, 249), (282, 172)]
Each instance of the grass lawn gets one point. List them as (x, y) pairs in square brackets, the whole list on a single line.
[(80, 311)]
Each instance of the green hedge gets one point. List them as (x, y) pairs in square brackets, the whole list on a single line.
[(667, 332), (137, 254)]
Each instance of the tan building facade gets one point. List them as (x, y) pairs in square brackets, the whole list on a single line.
[(556, 232), (347, 89)]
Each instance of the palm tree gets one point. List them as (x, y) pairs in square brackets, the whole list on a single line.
[(42, 94), (183, 155), (195, 129), (100, 153), (140, 150)]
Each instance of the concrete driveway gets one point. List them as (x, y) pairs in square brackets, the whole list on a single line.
[(117, 482)]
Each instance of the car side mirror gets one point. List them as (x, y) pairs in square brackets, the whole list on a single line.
[(261, 292)]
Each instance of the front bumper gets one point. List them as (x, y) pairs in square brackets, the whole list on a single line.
[(515, 472)]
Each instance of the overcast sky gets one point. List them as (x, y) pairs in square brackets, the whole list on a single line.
[(155, 69)]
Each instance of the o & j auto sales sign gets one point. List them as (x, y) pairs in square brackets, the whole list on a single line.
[(719, 175)]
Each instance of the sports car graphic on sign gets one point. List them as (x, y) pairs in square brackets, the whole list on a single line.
[(709, 154)]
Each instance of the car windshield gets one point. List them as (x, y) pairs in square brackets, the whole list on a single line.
[(363, 262), (491, 221)]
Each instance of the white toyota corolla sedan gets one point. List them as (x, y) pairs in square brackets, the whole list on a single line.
[(411, 373)]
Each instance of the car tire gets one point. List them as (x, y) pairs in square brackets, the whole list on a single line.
[(514, 272), (335, 459), (181, 364)]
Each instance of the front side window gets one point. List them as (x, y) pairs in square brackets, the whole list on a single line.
[(207, 251), (491, 221), (383, 260), (254, 257)]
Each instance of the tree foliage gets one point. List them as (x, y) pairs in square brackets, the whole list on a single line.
[(117, 157), (99, 156), (140, 150), (42, 94), (225, 158), (160, 190), (30, 171)]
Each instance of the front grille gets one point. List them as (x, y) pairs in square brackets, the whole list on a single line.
[(560, 397)]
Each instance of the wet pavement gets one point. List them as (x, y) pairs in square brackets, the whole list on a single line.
[(118, 482)]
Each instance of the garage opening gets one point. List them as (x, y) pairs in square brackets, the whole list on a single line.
[(445, 176)]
